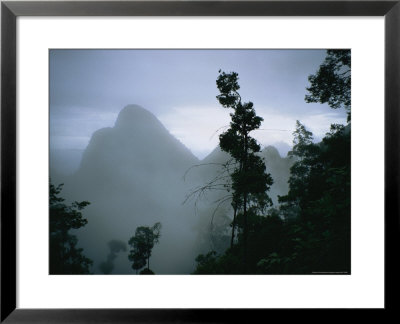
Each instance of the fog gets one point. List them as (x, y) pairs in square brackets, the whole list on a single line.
[(115, 247), (88, 88), (136, 174)]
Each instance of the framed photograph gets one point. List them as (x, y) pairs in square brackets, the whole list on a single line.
[(246, 153)]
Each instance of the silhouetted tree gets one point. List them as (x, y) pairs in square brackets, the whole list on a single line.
[(310, 232), (318, 202), (332, 82), (303, 154), (314, 234), (137, 259), (65, 257), (142, 244), (146, 271), (250, 181), (207, 264)]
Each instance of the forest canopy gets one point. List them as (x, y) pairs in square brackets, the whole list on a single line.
[(309, 232)]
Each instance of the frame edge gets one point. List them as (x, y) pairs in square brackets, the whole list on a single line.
[(392, 150), (8, 161)]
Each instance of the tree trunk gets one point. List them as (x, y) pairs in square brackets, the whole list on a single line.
[(235, 211)]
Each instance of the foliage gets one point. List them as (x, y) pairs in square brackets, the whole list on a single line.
[(146, 271), (65, 256), (322, 197), (206, 263), (137, 259), (303, 153), (142, 244), (250, 181), (310, 232), (332, 82)]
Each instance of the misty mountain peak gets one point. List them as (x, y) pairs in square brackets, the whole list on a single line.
[(135, 115), (138, 143), (271, 152)]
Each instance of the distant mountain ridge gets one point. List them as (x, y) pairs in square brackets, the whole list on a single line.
[(142, 135), (133, 175)]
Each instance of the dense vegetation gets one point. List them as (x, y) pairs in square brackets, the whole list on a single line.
[(65, 256), (309, 232)]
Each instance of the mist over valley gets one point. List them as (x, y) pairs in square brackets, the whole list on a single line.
[(136, 173)]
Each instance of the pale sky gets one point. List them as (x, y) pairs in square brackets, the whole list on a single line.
[(88, 88)]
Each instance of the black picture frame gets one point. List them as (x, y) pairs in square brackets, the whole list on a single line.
[(10, 10)]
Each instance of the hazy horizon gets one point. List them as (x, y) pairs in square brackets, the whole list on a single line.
[(88, 89)]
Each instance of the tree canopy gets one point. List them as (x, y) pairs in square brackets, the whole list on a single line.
[(250, 181), (65, 256), (309, 232), (142, 244), (332, 82)]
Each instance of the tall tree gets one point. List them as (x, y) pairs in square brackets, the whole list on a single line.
[(137, 259), (303, 153), (65, 256), (318, 202), (142, 244), (332, 82), (250, 181)]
